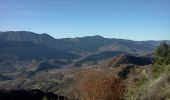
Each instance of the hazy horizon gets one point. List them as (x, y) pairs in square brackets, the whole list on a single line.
[(125, 19)]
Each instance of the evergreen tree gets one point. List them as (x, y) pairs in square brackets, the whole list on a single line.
[(162, 54)]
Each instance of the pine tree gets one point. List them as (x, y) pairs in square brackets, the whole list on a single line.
[(162, 54)]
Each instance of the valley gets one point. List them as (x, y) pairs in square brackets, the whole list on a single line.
[(38, 61)]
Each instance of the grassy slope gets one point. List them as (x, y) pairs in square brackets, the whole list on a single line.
[(141, 87)]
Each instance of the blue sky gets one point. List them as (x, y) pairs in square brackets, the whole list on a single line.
[(127, 19)]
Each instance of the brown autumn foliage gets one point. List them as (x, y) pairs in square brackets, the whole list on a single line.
[(97, 85)]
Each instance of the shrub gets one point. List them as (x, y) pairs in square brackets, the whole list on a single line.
[(97, 85), (158, 70)]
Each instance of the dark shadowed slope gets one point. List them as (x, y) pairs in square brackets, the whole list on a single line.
[(29, 95)]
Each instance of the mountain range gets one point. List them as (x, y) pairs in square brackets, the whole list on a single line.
[(38, 61), (24, 48), (88, 44)]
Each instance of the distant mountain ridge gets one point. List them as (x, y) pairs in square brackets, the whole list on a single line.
[(87, 44), (25, 36), (25, 45), (14, 41)]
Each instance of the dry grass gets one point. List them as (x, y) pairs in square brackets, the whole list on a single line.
[(97, 85), (155, 89), (159, 89)]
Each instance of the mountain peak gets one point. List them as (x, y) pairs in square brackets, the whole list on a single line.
[(95, 36), (25, 36)]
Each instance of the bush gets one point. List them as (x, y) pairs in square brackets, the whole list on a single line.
[(158, 70), (97, 85)]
